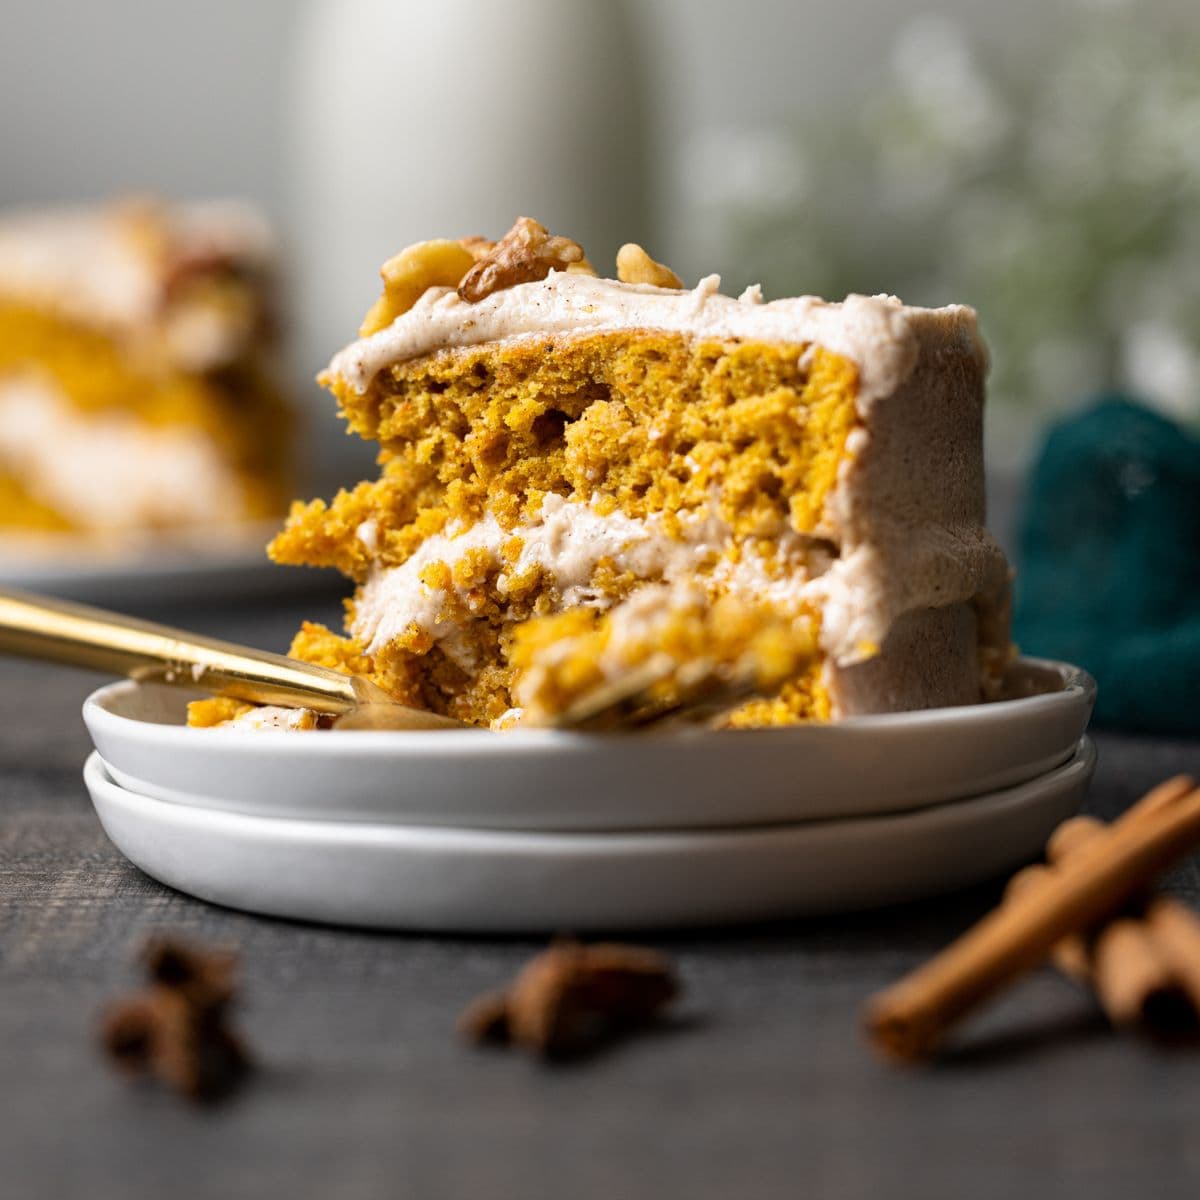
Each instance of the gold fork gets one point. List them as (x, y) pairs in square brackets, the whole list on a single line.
[(79, 636)]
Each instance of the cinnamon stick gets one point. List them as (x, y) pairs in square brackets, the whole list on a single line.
[(909, 1019), (1071, 955), (1174, 929), (1132, 977), (1076, 831), (1134, 982)]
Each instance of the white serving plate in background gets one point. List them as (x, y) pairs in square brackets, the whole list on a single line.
[(486, 881), (548, 780), (184, 565)]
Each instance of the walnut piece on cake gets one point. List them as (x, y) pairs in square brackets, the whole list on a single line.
[(410, 274), (634, 265), (526, 253)]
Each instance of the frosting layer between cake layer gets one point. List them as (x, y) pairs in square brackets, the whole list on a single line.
[(566, 542)]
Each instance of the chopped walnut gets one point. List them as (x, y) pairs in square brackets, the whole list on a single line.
[(478, 245), (409, 274), (527, 252), (571, 997), (634, 265)]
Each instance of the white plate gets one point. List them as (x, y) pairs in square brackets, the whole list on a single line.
[(477, 881), (180, 566), (546, 780)]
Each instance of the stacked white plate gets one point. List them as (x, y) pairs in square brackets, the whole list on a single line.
[(536, 831)]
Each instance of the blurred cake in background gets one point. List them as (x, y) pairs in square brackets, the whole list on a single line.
[(139, 388)]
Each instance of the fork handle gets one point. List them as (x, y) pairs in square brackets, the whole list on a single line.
[(78, 636)]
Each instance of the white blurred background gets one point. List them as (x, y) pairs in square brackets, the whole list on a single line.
[(1039, 159)]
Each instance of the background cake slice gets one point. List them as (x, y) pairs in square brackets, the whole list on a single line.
[(138, 378), (554, 441)]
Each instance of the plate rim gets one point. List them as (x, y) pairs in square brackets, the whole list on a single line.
[(1078, 688), (1081, 763), (423, 880)]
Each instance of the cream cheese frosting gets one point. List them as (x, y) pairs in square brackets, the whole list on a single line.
[(860, 595), (272, 716), (566, 540), (874, 332)]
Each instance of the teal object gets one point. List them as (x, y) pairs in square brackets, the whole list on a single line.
[(1109, 563)]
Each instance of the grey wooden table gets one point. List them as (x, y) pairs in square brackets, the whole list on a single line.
[(762, 1089)]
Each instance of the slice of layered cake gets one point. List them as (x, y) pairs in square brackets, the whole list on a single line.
[(577, 472), (138, 380)]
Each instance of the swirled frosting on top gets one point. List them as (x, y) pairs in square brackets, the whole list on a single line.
[(874, 332)]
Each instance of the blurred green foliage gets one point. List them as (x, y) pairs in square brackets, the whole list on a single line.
[(1059, 195)]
